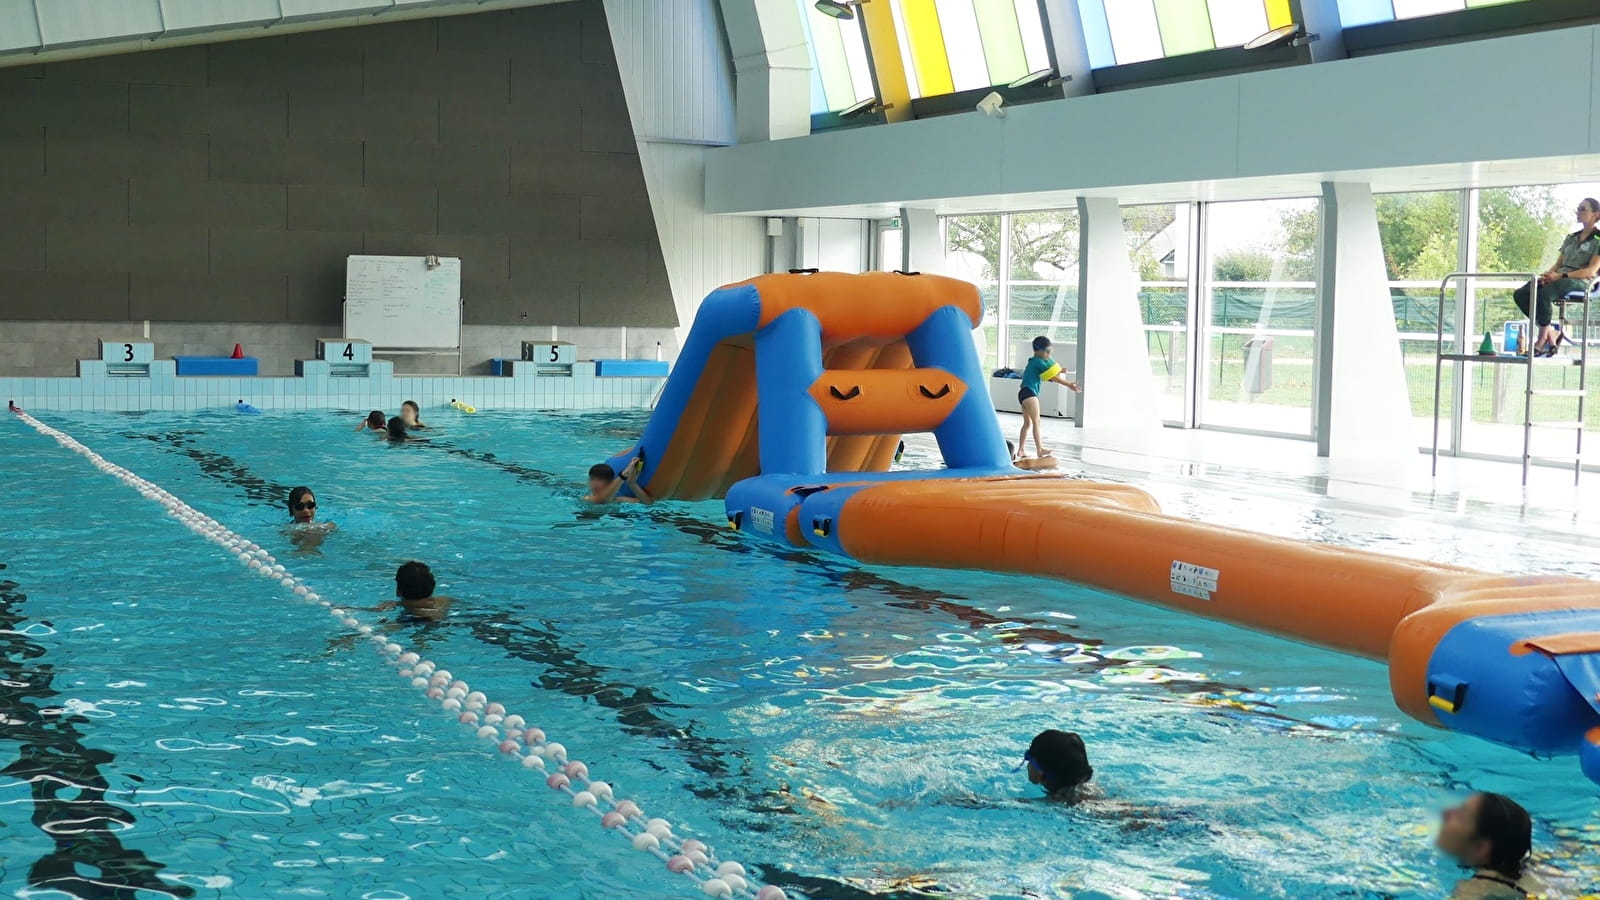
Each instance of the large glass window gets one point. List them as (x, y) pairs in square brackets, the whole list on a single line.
[(1042, 281), (1119, 32), (1366, 12), (1259, 337), (972, 253), (1160, 245), (1421, 244), (840, 73), (958, 45)]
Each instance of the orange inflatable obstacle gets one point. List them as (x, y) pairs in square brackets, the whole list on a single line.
[(791, 395)]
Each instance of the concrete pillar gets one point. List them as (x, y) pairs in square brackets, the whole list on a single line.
[(1113, 363), (1064, 22), (772, 66), (1363, 408), (921, 241)]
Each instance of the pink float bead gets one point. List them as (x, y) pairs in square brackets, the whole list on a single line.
[(468, 718), (533, 736), (434, 693), (576, 769), (439, 681), (458, 683), (557, 781), (628, 808), (302, 590), (680, 864), (771, 892), (693, 846), (612, 819), (508, 747), (495, 709)]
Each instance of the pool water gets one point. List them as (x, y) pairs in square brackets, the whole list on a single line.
[(174, 726)]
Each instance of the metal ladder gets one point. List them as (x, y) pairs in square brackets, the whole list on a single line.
[(1579, 338)]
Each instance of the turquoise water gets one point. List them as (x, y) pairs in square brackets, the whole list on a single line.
[(175, 726)]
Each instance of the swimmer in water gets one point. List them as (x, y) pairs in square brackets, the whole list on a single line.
[(1058, 762), (411, 413), (373, 422), (605, 484), (414, 585), (302, 506), (1491, 835), (396, 429)]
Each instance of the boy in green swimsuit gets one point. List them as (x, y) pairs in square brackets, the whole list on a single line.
[(1040, 368)]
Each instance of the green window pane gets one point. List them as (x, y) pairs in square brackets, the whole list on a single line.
[(1185, 26), (1002, 39)]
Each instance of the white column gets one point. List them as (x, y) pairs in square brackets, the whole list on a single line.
[(1065, 24), (1119, 390), (921, 241), (1363, 408), (773, 67)]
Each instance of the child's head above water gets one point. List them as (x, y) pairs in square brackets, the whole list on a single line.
[(1058, 760), (600, 477), (414, 581), (1041, 345)]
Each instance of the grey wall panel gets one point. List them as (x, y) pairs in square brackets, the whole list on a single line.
[(175, 155), (605, 132), (471, 211), (617, 217), (23, 244), (78, 198), (227, 111), (246, 252), (551, 121), (179, 249), (206, 298), (392, 208), (314, 61), (476, 74), (544, 170), (541, 298), (322, 114), (620, 303), (22, 150), (484, 165), (175, 201), (286, 162), (316, 294), (65, 106), (179, 65), (230, 182), (87, 296)]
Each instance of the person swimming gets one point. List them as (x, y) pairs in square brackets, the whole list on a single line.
[(605, 484), (414, 585), (396, 429), (373, 422), (1058, 761), (1492, 835), (302, 506), (411, 414)]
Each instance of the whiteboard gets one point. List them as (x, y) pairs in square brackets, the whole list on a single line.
[(397, 302)]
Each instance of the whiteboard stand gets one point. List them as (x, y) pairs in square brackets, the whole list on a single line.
[(396, 302)]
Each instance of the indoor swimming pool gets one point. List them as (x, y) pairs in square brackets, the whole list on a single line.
[(177, 727)]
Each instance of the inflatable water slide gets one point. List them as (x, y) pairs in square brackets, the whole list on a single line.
[(790, 397)]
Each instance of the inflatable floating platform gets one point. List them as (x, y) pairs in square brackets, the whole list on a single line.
[(792, 393)]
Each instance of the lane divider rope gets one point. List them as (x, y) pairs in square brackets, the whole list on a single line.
[(512, 736)]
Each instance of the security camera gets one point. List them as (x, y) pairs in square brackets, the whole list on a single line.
[(993, 105)]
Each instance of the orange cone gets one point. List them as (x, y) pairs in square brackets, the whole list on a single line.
[(238, 351)]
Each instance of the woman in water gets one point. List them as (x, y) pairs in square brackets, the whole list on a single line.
[(304, 530), (411, 414), (374, 421), (1491, 835)]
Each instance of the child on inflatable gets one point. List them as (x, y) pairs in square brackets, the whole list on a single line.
[(1040, 368)]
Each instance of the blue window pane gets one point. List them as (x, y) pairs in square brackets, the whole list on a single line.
[(1365, 12), (1097, 34)]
